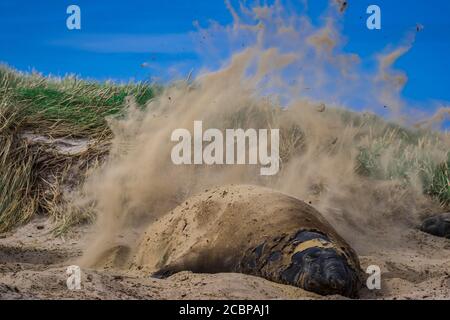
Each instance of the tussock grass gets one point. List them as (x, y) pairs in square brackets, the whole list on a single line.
[(408, 156), (33, 178), (70, 106), (437, 182), (17, 203)]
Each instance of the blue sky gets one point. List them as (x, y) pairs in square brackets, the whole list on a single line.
[(118, 36)]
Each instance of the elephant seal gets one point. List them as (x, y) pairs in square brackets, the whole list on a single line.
[(251, 230), (438, 225)]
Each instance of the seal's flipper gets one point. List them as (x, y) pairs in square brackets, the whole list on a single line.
[(164, 273), (202, 261), (438, 225)]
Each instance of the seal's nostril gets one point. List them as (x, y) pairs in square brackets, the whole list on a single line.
[(338, 282)]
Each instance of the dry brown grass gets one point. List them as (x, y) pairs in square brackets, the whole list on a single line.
[(35, 177)]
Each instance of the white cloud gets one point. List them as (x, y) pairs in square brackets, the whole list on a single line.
[(132, 43)]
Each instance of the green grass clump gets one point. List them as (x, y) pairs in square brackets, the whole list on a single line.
[(437, 182), (402, 154), (17, 203), (398, 155), (53, 107), (69, 105)]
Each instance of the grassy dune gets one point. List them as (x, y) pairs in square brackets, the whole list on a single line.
[(70, 107), (56, 108), (409, 150)]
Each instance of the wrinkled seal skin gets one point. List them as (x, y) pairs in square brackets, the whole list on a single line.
[(307, 259), (438, 225), (264, 233)]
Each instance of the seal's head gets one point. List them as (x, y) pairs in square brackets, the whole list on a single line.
[(318, 266), (309, 260), (321, 271)]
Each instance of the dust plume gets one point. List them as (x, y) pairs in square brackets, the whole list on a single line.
[(286, 74), (441, 114)]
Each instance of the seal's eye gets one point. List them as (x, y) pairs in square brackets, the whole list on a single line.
[(274, 256), (311, 256)]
